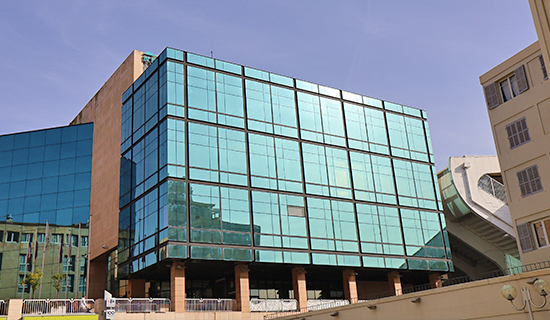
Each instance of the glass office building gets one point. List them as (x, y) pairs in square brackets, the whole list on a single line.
[(223, 163), (45, 177)]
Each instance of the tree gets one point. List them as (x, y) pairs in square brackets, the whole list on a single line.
[(58, 282), (33, 279)]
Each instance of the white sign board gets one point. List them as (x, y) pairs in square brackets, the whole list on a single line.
[(109, 314), (110, 303)]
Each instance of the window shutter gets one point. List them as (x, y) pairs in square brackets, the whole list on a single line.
[(491, 95), (521, 79), (524, 235)]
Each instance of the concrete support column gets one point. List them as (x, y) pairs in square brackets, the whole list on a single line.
[(177, 286), (96, 282), (136, 288), (394, 280), (299, 286), (436, 280), (242, 288), (350, 285)]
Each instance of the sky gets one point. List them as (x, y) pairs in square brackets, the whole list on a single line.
[(427, 54)]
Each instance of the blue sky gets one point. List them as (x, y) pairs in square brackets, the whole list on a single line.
[(427, 54)]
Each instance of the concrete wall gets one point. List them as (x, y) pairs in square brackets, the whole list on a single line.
[(474, 300), (190, 316)]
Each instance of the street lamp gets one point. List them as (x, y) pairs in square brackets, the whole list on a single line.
[(510, 293)]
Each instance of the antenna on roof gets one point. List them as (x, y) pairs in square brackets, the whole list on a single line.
[(211, 54)]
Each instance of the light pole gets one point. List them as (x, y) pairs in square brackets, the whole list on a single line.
[(541, 287)]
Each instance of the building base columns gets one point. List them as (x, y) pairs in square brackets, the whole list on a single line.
[(136, 288), (394, 280), (242, 288), (177, 286), (350, 285), (436, 280), (300, 288)]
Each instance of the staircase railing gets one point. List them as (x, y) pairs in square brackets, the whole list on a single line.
[(493, 187)]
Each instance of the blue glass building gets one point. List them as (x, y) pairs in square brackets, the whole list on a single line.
[(45, 176), (224, 164)]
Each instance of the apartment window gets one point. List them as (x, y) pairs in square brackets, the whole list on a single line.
[(41, 238), (529, 181), (20, 286), (524, 236), (84, 241), (509, 88), (68, 284), (56, 238), (74, 240), (23, 262), (540, 232), (518, 133), (1, 256), (1, 236), (82, 284), (71, 263), (26, 237), (543, 67), (12, 236), (83, 263)]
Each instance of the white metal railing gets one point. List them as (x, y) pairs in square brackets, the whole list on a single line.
[(3, 309), (273, 305), (142, 305), (208, 304), (312, 305), (493, 187), (320, 304), (56, 306)]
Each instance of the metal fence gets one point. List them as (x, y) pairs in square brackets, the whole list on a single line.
[(3, 308), (208, 305), (312, 305), (273, 305), (56, 306), (141, 305)]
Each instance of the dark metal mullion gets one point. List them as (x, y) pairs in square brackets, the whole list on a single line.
[(186, 134), (248, 174), (350, 169), (302, 162), (434, 177), (327, 172), (396, 192)]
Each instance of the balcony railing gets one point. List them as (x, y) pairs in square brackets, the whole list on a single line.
[(141, 305), (56, 306), (493, 187), (208, 305)]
